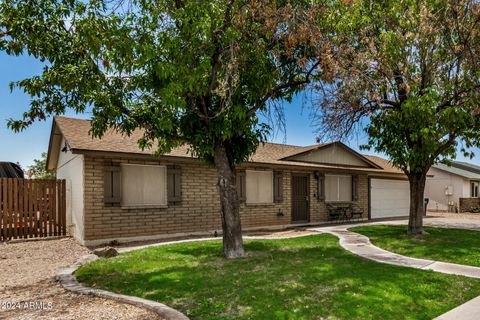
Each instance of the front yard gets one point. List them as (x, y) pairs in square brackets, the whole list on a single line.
[(310, 277), (27, 276), (450, 245)]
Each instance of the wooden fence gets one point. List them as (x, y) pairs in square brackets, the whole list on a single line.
[(32, 208)]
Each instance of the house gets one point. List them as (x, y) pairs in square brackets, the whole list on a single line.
[(10, 170), (116, 191), (453, 187)]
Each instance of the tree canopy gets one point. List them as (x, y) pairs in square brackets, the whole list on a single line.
[(183, 71), (39, 168), (412, 68)]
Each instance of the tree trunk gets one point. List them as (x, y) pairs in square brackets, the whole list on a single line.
[(231, 225), (417, 189)]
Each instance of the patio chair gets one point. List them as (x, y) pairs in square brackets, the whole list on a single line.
[(356, 212)]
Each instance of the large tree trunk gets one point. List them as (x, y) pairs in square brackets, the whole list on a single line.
[(417, 188), (232, 229)]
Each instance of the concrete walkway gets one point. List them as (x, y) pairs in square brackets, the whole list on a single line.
[(361, 246)]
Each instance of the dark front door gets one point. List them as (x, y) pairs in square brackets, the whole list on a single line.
[(299, 198)]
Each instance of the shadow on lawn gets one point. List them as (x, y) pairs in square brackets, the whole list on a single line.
[(281, 279)]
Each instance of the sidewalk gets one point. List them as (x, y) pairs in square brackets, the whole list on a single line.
[(361, 246)]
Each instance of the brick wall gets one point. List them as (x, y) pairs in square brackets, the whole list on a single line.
[(198, 210), (466, 204), (318, 209)]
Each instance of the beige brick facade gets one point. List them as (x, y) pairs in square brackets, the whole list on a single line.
[(467, 204), (198, 210)]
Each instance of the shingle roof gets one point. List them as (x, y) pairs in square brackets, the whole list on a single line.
[(383, 163), (458, 171), (466, 166), (76, 132)]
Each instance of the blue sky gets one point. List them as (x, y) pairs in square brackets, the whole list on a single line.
[(25, 146)]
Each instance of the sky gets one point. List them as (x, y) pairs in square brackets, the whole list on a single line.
[(28, 145)]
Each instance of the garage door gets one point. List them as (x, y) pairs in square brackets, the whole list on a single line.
[(389, 198)]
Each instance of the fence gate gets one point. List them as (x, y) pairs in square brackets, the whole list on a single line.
[(32, 208)]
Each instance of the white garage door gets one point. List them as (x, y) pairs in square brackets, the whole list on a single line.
[(389, 198)]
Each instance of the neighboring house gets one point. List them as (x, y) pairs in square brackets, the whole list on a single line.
[(117, 191), (453, 187), (10, 170)]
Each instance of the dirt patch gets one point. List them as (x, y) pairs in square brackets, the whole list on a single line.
[(463, 215), (28, 289)]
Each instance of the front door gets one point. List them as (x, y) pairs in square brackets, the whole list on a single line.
[(299, 198)]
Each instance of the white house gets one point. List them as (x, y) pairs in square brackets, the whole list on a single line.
[(454, 187)]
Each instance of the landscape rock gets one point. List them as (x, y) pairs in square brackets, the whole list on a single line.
[(107, 252)]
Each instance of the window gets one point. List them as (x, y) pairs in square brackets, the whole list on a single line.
[(259, 186), (474, 189), (338, 188), (144, 185)]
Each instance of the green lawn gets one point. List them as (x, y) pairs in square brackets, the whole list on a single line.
[(303, 278), (450, 245)]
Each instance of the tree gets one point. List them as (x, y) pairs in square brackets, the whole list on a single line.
[(183, 71), (39, 168), (412, 70)]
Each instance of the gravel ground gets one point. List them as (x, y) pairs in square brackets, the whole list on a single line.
[(27, 271), (463, 215)]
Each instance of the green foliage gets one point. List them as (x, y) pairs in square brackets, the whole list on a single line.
[(408, 71), (413, 134), (302, 278), (182, 71), (39, 168)]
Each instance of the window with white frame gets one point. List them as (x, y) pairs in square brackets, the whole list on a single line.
[(338, 188), (474, 189), (144, 185), (259, 186)]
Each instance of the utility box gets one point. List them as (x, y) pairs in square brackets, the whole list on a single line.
[(448, 190)]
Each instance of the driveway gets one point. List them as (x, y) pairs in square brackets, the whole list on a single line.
[(470, 221), (454, 220), (28, 289)]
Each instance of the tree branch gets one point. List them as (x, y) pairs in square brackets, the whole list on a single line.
[(290, 84), (215, 58), (6, 33), (451, 140)]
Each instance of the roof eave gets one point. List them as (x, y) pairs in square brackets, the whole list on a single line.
[(379, 171), (49, 167), (459, 174)]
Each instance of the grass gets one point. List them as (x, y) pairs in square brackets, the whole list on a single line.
[(302, 278), (450, 245)]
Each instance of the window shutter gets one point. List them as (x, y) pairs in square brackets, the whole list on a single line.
[(321, 187), (241, 188), (354, 188), (112, 184), (174, 184), (277, 187)]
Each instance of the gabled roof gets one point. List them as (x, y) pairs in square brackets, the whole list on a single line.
[(318, 148), (461, 169), (76, 134)]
